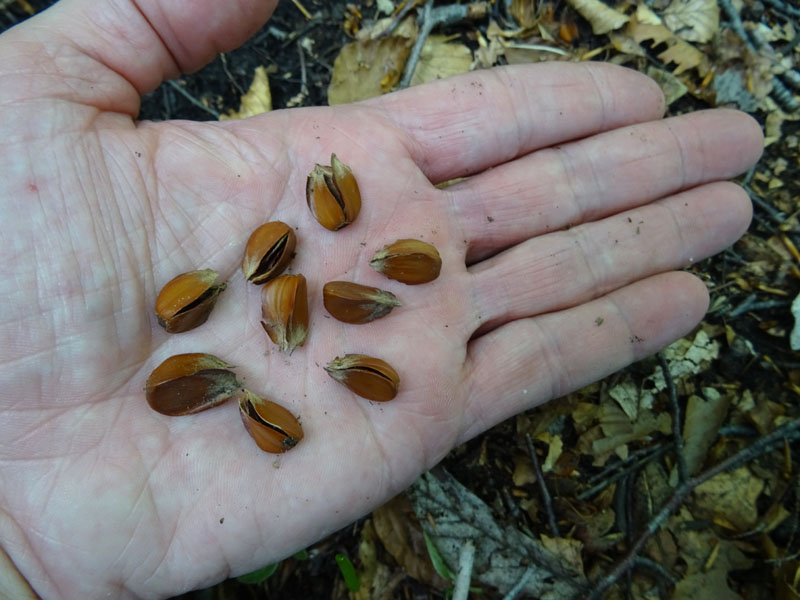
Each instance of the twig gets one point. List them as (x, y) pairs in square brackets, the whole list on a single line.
[(520, 585), (783, 6), (677, 434), (773, 212), (303, 75), (789, 431), (466, 558), (656, 568), (546, 499), (193, 100), (302, 9), (650, 455), (401, 14), (735, 21), (433, 17)]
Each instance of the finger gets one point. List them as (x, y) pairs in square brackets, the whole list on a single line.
[(566, 268), (592, 178), (527, 362), (466, 124), (105, 48)]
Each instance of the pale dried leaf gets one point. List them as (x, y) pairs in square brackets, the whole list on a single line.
[(440, 59), (672, 87), (367, 69), (685, 358), (626, 394), (678, 51), (693, 20), (385, 6), (620, 430), (257, 100), (704, 416), (729, 499), (602, 18), (451, 514)]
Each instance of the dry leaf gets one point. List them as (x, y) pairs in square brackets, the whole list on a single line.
[(375, 577), (602, 18), (729, 499), (368, 68), (399, 531), (704, 416), (693, 20), (685, 358), (682, 53), (450, 514), (441, 58), (672, 87), (257, 100)]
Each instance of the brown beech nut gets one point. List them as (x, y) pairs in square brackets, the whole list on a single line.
[(268, 251), (369, 377), (408, 261), (284, 308), (188, 383), (273, 428), (355, 303), (186, 301), (332, 195)]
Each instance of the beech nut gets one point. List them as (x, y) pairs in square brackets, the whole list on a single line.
[(355, 303), (188, 383), (408, 261), (187, 300), (368, 377), (284, 309), (268, 251), (273, 428), (332, 195)]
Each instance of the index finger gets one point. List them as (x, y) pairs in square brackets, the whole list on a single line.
[(465, 124)]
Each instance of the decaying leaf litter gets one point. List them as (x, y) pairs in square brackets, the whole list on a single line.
[(674, 478)]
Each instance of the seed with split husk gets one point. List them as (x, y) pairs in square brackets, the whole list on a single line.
[(355, 303), (188, 383), (408, 261), (332, 195), (268, 252), (284, 308), (273, 428), (187, 300), (366, 376)]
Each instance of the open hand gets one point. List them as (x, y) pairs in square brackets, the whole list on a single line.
[(559, 257)]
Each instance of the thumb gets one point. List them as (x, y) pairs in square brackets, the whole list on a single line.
[(107, 54)]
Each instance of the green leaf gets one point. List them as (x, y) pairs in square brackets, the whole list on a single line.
[(438, 562), (351, 578), (301, 554), (259, 576)]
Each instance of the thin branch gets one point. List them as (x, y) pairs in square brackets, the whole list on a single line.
[(546, 499), (789, 431), (192, 99), (677, 419), (624, 471), (520, 585), (431, 18)]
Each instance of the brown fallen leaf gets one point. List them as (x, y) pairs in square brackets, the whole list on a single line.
[(367, 69), (397, 528)]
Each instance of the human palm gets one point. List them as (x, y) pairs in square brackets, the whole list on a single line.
[(557, 253)]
